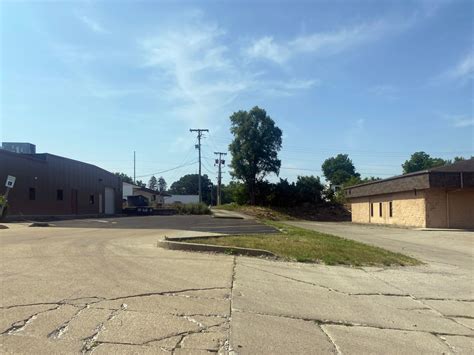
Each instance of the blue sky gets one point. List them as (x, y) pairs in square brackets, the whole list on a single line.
[(379, 80)]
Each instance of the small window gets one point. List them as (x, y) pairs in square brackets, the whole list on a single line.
[(371, 210), (380, 209), (390, 209), (59, 195), (32, 194), (91, 199)]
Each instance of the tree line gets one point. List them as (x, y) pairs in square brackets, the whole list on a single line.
[(254, 149)]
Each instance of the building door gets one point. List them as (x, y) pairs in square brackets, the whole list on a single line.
[(101, 204), (109, 200), (74, 202)]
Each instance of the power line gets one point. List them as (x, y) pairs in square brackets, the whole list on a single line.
[(165, 171)]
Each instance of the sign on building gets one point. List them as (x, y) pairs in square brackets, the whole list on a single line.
[(10, 181)]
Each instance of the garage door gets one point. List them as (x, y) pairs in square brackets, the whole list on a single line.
[(109, 200)]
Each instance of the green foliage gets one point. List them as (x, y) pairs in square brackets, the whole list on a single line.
[(124, 177), (153, 183), (257, 141), (234, 192), (189, 185), (192, 208), (162, 185), (140, 183), (339, 169), (422, 161), (3, 206), (309, 189)]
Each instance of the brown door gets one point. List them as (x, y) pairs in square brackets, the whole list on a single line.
[(74, 201)]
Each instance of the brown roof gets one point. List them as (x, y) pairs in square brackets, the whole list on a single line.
[(456, 175)]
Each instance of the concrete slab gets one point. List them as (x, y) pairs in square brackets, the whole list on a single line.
[(460, 345), (139, 328), (111, 290), (260, 334), (364, 340)]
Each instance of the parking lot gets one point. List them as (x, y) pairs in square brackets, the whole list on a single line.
[(87, 286), (203, 223)]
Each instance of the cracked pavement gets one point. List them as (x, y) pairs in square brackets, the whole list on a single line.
[(106, 290)]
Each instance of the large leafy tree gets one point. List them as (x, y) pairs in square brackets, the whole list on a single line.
[(421, 161), (339, 169), (188, 185), (257, 141)]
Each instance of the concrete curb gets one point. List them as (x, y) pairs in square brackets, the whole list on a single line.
[(40, 224), (226, 217), (172, 244)]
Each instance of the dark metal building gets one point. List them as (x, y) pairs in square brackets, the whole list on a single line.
[(50, 185)]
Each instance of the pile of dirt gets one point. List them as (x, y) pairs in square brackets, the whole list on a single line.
[(328, 212)]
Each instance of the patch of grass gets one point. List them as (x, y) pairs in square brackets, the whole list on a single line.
[(302, 245)]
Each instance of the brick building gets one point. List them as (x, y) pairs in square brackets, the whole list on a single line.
[(441, 197)]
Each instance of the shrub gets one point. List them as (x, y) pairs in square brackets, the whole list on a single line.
[(192, 208)]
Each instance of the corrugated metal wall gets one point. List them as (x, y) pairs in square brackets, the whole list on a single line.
[(47, 174)]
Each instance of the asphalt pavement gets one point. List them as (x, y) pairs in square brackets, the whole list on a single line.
[(199, 223)]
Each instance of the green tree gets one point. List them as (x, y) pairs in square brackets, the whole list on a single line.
[(153, 183), (309, 189), (124, 177), (421, 161), (339, 169), (140, 183), (257, 141), (188, 185), (162, 184)]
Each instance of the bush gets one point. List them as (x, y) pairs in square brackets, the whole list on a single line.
[(192, 208), (3, 206)]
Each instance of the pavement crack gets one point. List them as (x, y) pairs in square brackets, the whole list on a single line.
[(331, 340), (330, 288), (165, 293), (18, 326), (231, 303), (58, 332), (90, 343), (351, 324)]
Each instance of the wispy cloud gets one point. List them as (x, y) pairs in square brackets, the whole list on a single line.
[(384, 91), (321, 43), (459, 121), (92, 24), (202, 75), (463, 70)]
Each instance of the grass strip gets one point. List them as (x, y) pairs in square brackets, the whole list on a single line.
[(299, 244)]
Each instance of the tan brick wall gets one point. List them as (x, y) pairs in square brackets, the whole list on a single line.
[(360, 210), (408, 209), (436, 213)]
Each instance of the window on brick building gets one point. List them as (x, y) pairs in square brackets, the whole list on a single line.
[(380, 209)]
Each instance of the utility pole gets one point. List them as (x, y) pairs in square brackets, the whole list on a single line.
[(198, 146), (218, 162), (134, 168)]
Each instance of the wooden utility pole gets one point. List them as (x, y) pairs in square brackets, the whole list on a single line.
[(219, 162), (198, 146)]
